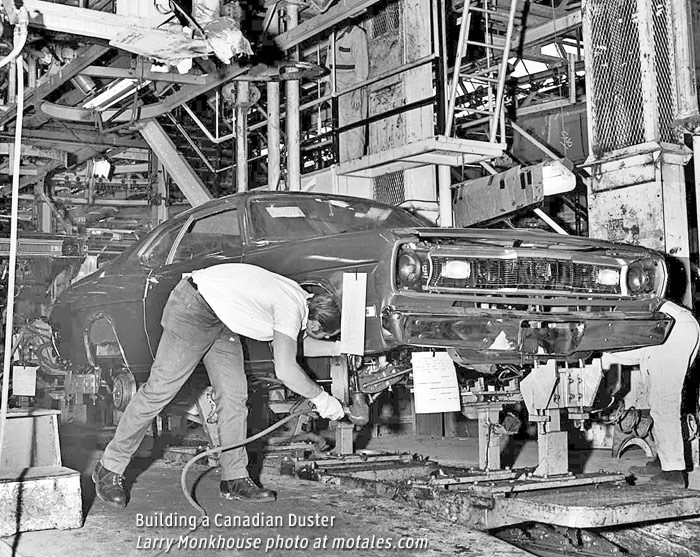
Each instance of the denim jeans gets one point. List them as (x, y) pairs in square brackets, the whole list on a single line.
[(191, 333)]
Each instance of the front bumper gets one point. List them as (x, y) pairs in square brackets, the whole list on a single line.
[(514, 336)]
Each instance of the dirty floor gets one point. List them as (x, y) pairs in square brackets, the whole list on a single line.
[(308, 518)]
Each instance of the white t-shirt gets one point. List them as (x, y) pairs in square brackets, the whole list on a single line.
[(253, 301)]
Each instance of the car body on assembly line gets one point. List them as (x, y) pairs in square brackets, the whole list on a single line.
[(487, 296)]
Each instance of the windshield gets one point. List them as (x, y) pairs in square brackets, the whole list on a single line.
[(294, 218)]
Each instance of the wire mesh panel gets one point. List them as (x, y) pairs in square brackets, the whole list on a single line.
[(389, 188), (387, 20), (630, 59), (664, 70), (614, 62)]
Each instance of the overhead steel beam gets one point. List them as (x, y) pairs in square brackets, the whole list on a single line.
[(79, 21), (77, 137), (185, 177), (84, 58), (344, 9), (554, 28), (143, 73), (185, 94)]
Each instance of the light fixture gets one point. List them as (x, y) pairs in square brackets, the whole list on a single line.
[(115, 92)]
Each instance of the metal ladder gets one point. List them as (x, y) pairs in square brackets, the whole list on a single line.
[(477, 90)]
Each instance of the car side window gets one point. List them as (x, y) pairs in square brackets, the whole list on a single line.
[(217, 233), (157, 253)]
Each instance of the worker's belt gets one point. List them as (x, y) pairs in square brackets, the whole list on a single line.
[(193, 284)]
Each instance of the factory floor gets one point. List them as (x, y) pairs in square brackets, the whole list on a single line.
[(307, 519)]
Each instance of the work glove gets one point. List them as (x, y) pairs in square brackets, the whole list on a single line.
[(328, 406)]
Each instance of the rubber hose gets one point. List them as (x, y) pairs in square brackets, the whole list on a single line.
[(215, 450)]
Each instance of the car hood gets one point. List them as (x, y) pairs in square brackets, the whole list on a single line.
[(523, 238)]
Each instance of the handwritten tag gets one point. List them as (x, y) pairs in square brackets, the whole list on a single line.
[(435, 383)]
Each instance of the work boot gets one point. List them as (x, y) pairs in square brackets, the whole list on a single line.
[(245, 489), (109, 486), (676, 478), (651, 468)]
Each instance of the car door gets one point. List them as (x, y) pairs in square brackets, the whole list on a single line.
[(206, 238)]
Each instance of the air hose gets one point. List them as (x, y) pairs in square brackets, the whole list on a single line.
[(357, 413), (216, 450)]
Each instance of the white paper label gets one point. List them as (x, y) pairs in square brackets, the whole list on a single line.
[(352, 322), (24, 380), (435, 383), (285, 212)]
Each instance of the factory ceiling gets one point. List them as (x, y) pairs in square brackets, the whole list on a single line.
[(94, 75)]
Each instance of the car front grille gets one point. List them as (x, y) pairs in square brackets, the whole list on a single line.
[(521, 273)]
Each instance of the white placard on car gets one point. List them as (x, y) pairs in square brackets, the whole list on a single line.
[(24, 380), (352, 321), (435, 386)]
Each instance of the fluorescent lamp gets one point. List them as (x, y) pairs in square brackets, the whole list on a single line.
[(115, 92)]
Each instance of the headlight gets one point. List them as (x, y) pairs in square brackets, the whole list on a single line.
[(608, 277), (408, 268), (411, 268), (457, 269), (646, 276)]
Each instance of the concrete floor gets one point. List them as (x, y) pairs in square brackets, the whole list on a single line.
[(156, 494)]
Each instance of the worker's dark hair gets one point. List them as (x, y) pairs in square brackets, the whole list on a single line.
[(322, 308)]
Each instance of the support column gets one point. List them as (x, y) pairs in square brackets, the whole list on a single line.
[(44, 221), (489, 440), (552, 445), (159, 210), (445, 196), (639, 197), (293, 116), (242, 103), (274, 159)]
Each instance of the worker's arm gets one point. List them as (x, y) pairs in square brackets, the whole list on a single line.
[(287, 370), (315, 348)]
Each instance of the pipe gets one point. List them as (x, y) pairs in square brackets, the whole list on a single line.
[(11, 11), (21, 32), (204, 129), (20, 38)]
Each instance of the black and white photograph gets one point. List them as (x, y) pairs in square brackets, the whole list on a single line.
[(354, 278)]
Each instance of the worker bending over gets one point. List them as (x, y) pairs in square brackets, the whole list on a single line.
[(665, 367), (204, 318)]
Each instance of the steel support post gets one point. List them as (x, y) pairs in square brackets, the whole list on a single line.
[(43, 208), (292, 114), (445, 195), (242, 101), (274, 159), (489, 440), (552, 445)]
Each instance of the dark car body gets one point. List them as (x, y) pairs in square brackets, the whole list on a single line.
[(487, 295)]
